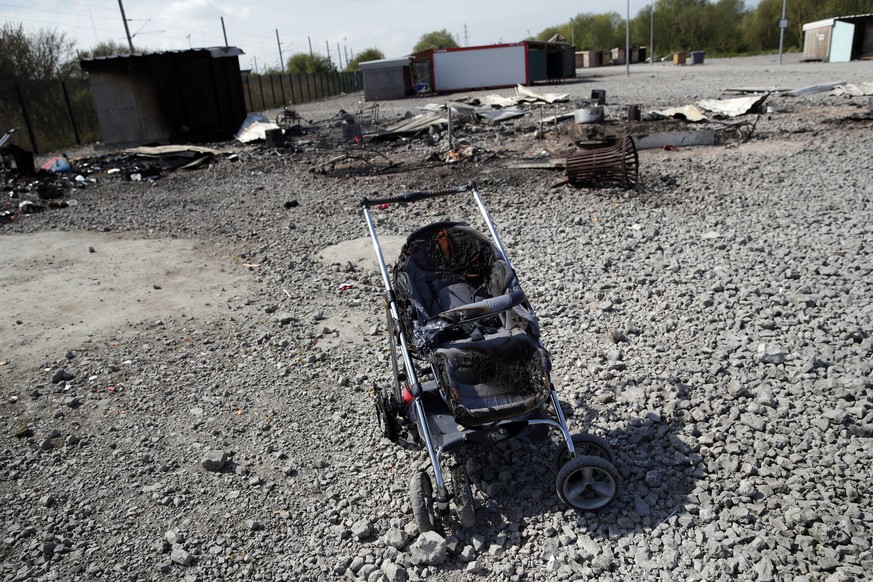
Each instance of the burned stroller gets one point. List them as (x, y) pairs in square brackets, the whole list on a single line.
[(469, 367)]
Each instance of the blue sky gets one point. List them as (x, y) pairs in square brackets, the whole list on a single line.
[(344, 26)]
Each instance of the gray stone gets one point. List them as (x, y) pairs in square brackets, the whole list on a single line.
[(362, 529), (394, 572), (174, 537), (181, 557), (396, 538), (771, 354), (214, 460), (429, 549)]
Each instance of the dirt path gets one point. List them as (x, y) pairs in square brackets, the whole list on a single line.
[(61, 289)]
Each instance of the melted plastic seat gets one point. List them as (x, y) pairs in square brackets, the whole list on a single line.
[(492, 367)]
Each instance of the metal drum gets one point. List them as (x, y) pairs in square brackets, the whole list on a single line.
[(613, 162)]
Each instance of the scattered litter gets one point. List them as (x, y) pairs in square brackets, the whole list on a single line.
[(813, 89), (464, 153), (688, 113), (526, 94), (500, 115), (853, 90), (675, 139), (670, 148), (346, 286), (254, 128), (734, 107), (58, 165)]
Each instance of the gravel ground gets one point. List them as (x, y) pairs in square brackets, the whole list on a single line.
[(715, 325)]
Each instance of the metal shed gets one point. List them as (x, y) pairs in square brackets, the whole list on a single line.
[(386, 79), (839, 39), (168, 97)]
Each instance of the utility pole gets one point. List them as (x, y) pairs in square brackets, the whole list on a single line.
[(310, 45), (466, 43), (339, 57), (783, 24), (652, 32), (345, 50), (327, 46), (126, 28), (281, 59), (627, 40), (223, 30)]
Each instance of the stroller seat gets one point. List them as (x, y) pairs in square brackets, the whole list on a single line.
[(463, 310)]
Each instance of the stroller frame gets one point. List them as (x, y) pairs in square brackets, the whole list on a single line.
[(586, 481)]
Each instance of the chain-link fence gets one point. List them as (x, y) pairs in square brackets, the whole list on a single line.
[(53, 115)]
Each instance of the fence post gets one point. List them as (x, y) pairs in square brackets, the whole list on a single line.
[(26, 117), (70, 112), (261, 85), (249, 91)]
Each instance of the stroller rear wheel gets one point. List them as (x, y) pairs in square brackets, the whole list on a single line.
[(463, 497), (388, 426), (587, 483), (421, 496), (587, 445)]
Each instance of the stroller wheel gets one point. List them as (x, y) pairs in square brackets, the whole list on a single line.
[(399, 379), (587, 445), (421, 496), (463, 497), (384, 416), (587, 483)]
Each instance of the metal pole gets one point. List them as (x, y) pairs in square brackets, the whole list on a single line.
[(781, 31), (627, 40), (339, 57), (223, 30), (652, 32), (310, 45), (327, 46), (281, 59), (126, 28)]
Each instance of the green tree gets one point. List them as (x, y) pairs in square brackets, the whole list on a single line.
[(370, 54), (309, 64), (32, 56), (109, 48), (435, 40)]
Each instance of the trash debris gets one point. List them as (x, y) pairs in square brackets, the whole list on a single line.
[(853, 90), (813, 89), (674, 139), (612, 162), (526, 94), (254, 128), (687, 113), (346, 286), (734, 107), (463, 153), (58, 165)]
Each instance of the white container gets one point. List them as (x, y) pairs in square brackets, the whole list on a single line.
[(589, 115)]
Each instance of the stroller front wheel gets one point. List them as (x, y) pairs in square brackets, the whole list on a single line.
[(587, 483), (421, 496)]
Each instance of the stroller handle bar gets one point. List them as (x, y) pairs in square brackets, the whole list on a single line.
[(417, 196), (484, 308)]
